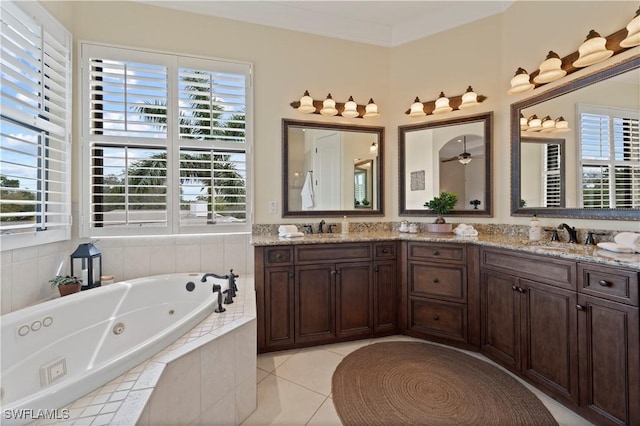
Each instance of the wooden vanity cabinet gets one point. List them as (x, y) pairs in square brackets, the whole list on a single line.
[(325, 293), (436, 291)]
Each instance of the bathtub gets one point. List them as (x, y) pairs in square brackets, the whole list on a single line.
[(57, 351)]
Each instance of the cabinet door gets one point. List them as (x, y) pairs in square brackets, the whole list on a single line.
[(354, 299), (384, 296), (315, 303), (549, 338), (500, 312), (278, 300), (609, 360)]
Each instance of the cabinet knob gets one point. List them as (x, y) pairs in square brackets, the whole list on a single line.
[(514, 288), (581, 307), (521, 290), (385, 251), (333, 272), (436, 252), (435, 280), (279, 256), (376, 269), (604, 283), (291, 274), (435, 317)]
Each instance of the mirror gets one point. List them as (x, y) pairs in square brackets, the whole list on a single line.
[(450, 155), (331, 169), (601, 176)]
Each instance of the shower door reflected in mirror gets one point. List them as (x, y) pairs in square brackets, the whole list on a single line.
[(331, 169)]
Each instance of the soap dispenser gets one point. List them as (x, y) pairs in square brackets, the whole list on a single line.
[(535, 229), (345, 225)]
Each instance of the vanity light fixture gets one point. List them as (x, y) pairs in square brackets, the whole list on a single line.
[(350, 108), (417, 109), (562, 125), (329, 106), (373, 147), (465, 157), (469, 99), (550, 69), (535, 124), (633, 32), (544, 125), (524, 123), (306, 104), (520, 82), (548, 125), (442, 104), (592, 51), (371, 110)]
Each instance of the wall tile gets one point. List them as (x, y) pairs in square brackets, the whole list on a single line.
[(218, 360), (162, 259), (26, 289), (187, 258), (113, 262), (136, 262), (6, 287)]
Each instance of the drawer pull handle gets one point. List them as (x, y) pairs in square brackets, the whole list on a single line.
[(435, 280), (604, 283), (436, 253), (290, 274), (385, 251), (581, 307), (435, 317)]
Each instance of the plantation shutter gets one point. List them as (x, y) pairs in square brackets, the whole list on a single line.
[(610, 157), (35, 81), (552, 185)]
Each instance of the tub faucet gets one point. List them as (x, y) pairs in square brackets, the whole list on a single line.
[(573, 234), (211, 274)]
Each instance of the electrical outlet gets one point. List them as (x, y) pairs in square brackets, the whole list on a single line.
[(273, 207)]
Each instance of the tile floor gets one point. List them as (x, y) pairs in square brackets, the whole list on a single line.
[(294, 387)]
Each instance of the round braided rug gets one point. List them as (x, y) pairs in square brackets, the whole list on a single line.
[(400, 383)]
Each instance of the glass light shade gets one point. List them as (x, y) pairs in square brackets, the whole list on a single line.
[(350, 108), (442, 104), (328, 106), (550, 69), (548, 125), (464, 159), (562, 125), (373, 147), (520, 82), (524, 123), (535, 124), (417, 109), (633, 32), (469, 99), (306, 104), (592, 51), (371, 110)]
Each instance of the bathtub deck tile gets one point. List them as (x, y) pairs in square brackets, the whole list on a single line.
[(149, 376), (125, 386), (107, 389), (119, 396), (103, 419), (92, 410), (100, 399), (82, 402), (111, 407)]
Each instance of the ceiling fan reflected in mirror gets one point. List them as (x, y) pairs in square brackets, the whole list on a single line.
[(464, 157)]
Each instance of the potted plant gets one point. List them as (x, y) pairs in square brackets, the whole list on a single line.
[(442, 205), (66, 284)]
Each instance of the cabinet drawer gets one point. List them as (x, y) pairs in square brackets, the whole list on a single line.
[(450, 253), (437, 281), (608, 283), (278, 256), (319, 253), (385, 251), (548, 270), (441, 319)]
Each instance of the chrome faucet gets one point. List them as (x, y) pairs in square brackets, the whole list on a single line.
[(210, 274), (573, 234)]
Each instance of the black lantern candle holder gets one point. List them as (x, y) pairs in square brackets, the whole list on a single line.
[(87, 260)]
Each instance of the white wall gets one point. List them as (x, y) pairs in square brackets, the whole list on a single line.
[(483, 54)]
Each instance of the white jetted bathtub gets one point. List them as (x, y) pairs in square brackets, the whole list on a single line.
[(57, 351)]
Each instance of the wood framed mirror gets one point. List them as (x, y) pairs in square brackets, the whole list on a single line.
[(602, 146), (432, 160), (332, 169)]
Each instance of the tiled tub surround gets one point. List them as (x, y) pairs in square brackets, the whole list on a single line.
[(501, 236), (207, 376), (25, 272)]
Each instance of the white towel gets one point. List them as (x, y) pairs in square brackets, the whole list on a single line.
[(463, 230), (628, 239), (307, 192), (292, 235), (615, 247), (287, 229)]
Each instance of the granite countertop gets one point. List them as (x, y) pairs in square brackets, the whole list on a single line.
[(578, 252)]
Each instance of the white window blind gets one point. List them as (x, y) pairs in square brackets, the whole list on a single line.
[(35, 81), (552, 181), (610, 157), (169, 143)]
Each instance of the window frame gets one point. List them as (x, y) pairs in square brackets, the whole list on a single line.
[(173, 144), (37, 18)]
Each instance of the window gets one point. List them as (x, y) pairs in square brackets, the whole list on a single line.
[(35, 80), (610, 157), (553, 195), (167, 143)]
